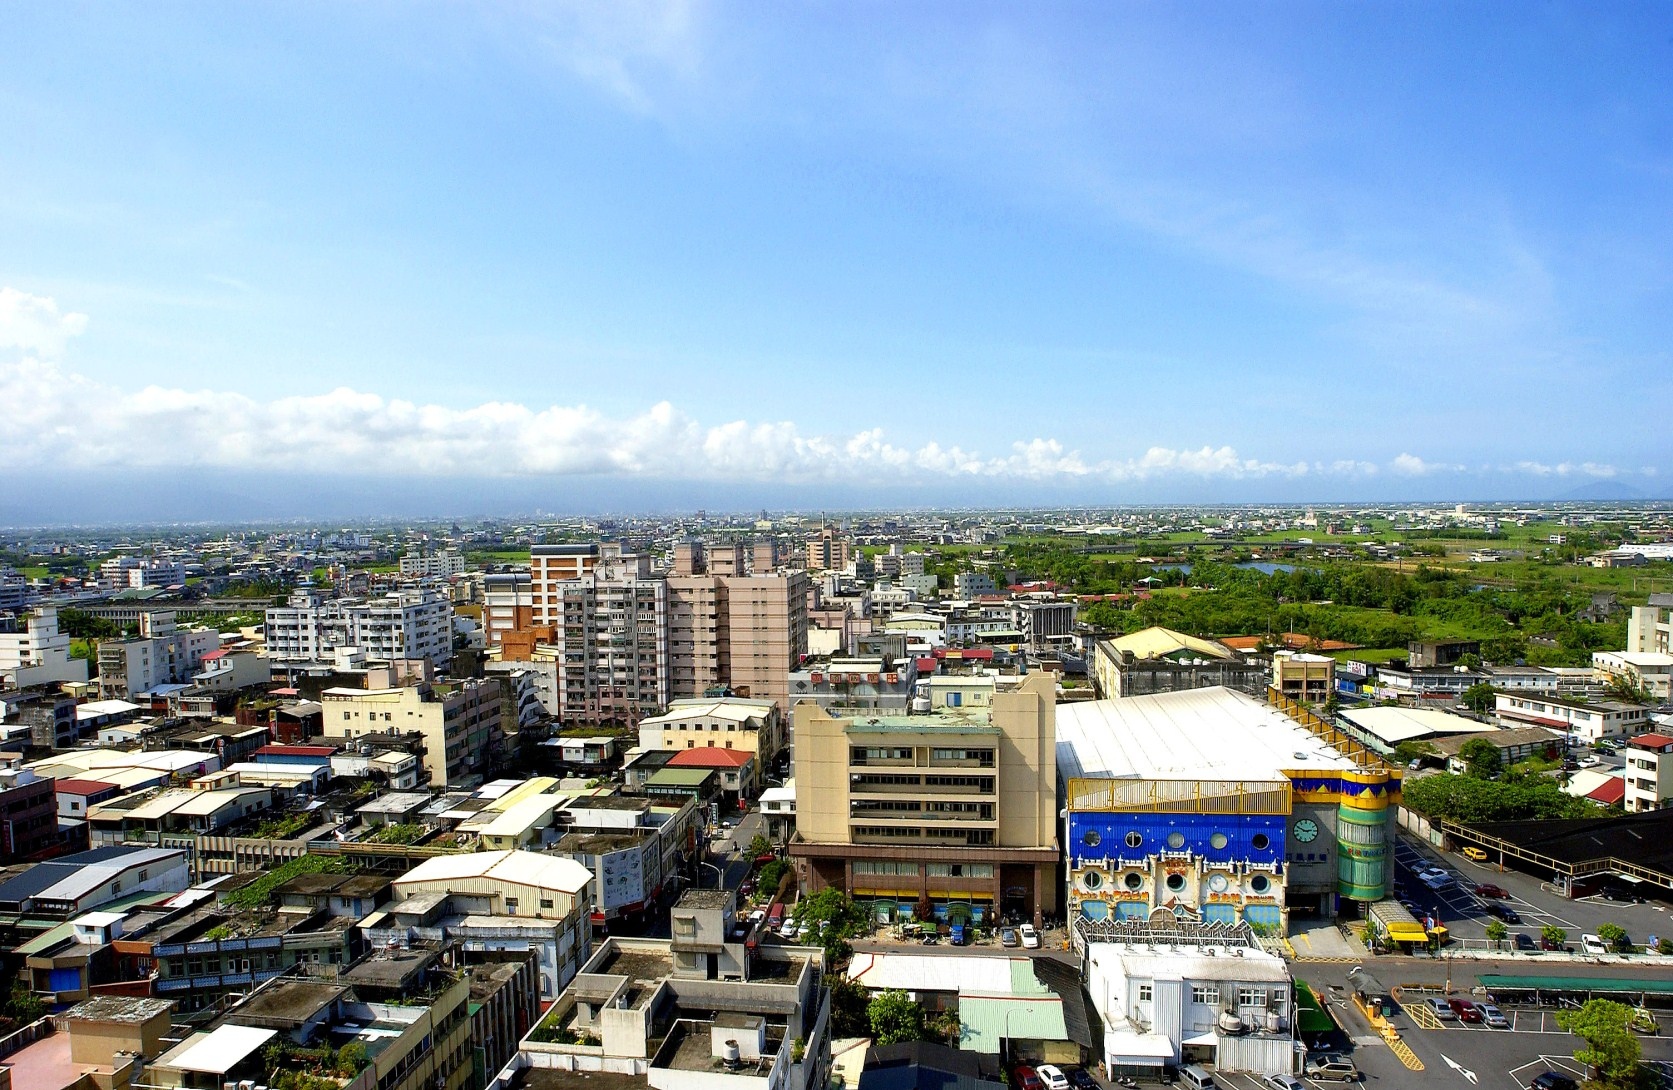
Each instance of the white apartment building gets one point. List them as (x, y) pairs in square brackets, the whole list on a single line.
[(1651, 671), (34, 652), (123, 572), (1649, 773), (14, 589), (439, 564), (1650, 627), (1588, 721), (507, 605), (405, 624), (163, 654)]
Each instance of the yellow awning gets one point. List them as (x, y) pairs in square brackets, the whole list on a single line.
[(1407, 932)]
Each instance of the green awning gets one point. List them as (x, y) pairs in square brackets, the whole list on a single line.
[(1613, 984)]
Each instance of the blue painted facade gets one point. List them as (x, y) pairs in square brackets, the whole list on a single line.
[(1241, 833)]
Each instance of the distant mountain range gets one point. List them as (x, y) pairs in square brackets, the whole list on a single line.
[(1604, 490)]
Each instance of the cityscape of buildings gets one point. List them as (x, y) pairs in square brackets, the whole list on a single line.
[(544, 802)]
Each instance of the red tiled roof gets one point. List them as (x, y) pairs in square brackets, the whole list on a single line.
[(83, 787), (296, 751), (1653, 741), (711, 757), (1610, 791), (214, 655)]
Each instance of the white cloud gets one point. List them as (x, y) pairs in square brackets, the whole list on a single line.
[(1571, 469), (1410, 465), (33, 323)]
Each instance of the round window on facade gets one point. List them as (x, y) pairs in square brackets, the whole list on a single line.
[(1134, 840), (1261, 842), (1133, 880), (1176, 882), (1260, 883), (1091, 880), (1090, 838), (1218, 840), (1176, 840), (1217, 883)]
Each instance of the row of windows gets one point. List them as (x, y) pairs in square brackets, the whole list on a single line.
[(1176, 840), (1093, 880)]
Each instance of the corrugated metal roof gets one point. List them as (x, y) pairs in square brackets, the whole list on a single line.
[(219, 1051), (985, 1020)]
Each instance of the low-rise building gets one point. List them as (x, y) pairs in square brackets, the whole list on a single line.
[(1649, 773), (1310, 679), (1161, 660), (1650, 672), (162, 654), (33, 651), (756, 726), (1587, 721), (459, 722)]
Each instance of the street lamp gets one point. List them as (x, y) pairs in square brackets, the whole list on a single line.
[(720, 875)]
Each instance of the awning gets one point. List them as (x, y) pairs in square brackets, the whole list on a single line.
[(1126, 1046), (1400, 931), (1210, 1038)]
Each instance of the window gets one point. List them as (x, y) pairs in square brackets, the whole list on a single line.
[(1218, 840), (1134, 840), (545, 903), (1176, 840), (1176, 882), (1205, 993), (1260, 883), (1091, 880), (1133, 880), (1251, 997), (511, 904), (1091, 838), (1260, 842), (345, 715), (1145, 992)]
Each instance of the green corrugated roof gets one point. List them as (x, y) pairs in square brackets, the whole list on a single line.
[(47, 939), (984, 1020), (1660, 986), (679, 777)]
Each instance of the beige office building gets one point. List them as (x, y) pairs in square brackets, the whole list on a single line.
[(956, 805), (731, 630)]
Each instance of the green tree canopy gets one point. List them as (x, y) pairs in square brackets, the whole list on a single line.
[(1478, 697), (1612, 1053), (1482, 758), (894, 1018), (1471, 799)]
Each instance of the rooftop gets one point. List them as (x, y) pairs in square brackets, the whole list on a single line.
[(703, 899), (288, 1002), (119, 1008), (1214, 733), (1396, 725)]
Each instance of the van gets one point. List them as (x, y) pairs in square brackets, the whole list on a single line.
[(1195, 1078), (775, 915)]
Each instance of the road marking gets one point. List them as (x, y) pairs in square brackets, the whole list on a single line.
[(1461, 1069)]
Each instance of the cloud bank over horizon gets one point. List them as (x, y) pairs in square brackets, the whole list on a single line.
[(60, 420)]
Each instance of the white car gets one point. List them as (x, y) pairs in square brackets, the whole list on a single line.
[(1285, 1082), (1052, 1077), (1593, 945), (788, 931), (1030, 937), (1590, 761)]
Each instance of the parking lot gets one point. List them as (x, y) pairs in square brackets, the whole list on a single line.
[(1466, 916)]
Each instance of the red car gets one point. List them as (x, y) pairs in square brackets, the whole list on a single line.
[(1026, 1079), (1465, 1010), (1488, 889)]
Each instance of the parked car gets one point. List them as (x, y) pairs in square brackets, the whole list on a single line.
[(1332, 1067), (1441, 1009), (1547, 944), (1080, 1079), (1553, 1080), (788, 931), (1593, 945), (1026, 1078), (1589, 761), (1008, 937), (1466, 1011), (1488, 889), (1285, 1082), (1030, 937), (1504, 912), (1523, 942), (1493, 1018), (1052, 1077)]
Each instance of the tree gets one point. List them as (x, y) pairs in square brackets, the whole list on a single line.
[(1556, 936), (894, 1018), (1613, 936), (760, 846), (1497, 932), (22, 1005), (1407, 752), (1483, 759), (1478, 697), (848, 1007), (1612, 1052)]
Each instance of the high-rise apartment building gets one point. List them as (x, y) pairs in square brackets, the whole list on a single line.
[(952, 805), (507, 605), (601, 616), (828, 550), (406, 624), (735, 631)]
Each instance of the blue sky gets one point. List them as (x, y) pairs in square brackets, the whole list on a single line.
[(1101, 251)]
